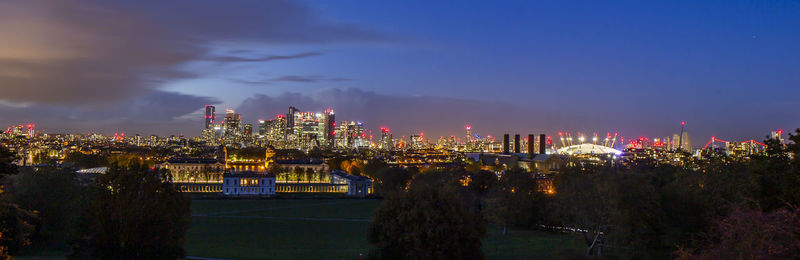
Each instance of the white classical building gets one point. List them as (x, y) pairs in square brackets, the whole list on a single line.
[(248, 183)]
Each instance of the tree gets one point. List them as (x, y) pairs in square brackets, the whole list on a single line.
[(482, 182), (54, 194), (309, 174), (298, 173), (749, 234), (373, 166), (514, 201), (7, 166), (80, 160), (426, 222), (474, 166), (336, 162), (4, 254), (133, 213), (391, 180), (16, 224)]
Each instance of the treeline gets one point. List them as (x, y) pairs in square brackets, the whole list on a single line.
[(131, 212), (718, 207)]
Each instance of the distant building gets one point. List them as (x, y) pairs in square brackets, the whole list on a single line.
[(210, 116), (248, 130), (316, 165), (193, 169), (232, 123), (351, 135), (248, 183)]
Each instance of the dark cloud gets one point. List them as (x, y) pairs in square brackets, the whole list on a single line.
[(274, 21), (98, 53), (158, 112)]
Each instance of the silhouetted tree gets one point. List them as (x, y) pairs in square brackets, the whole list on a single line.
[(749, 234), (390, 180), (373, 166), (54, 194), (16, 224), (80, 160), (514, 201), (426, 222), (133, 213)]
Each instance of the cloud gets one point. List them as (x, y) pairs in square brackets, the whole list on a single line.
[(157, 112), (98, 53), (263, 58), (291, 78), (64, 52)]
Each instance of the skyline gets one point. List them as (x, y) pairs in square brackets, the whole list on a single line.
[(635, 68), (259, 130)]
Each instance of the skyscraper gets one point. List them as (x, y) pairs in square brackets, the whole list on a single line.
[(330, 127), (386, 139), (290, 119), (468, 134), (248, 130), (210, 116), (686, 144), (233, 123)]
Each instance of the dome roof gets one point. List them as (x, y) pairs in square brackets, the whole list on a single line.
[(588, 148)]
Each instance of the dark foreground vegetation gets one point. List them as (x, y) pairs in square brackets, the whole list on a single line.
[(132, 212), (715, 208)]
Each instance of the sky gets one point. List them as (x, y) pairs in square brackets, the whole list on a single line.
[(727, 68)]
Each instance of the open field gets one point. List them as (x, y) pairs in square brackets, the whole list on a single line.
[(325, 229)]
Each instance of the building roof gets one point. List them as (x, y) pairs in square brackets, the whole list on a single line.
[(345, 175), (96, 170), (248, 174), (588, 148)]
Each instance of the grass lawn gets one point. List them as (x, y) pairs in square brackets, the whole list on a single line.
[(326, 229)]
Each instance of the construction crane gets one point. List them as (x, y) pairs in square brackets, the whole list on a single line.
[(613, 141), (714, 139)]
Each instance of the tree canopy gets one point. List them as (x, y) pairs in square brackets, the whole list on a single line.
[(426, 222)]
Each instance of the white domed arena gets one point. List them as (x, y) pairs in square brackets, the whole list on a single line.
[(588, 148)]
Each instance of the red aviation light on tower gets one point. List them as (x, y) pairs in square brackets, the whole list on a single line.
[(683, 122), (384, 129), (468, 127)]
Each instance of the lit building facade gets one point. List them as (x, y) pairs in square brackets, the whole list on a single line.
[(249, 183)]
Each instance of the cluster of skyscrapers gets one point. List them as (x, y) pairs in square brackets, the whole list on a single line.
[(296, 129)]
